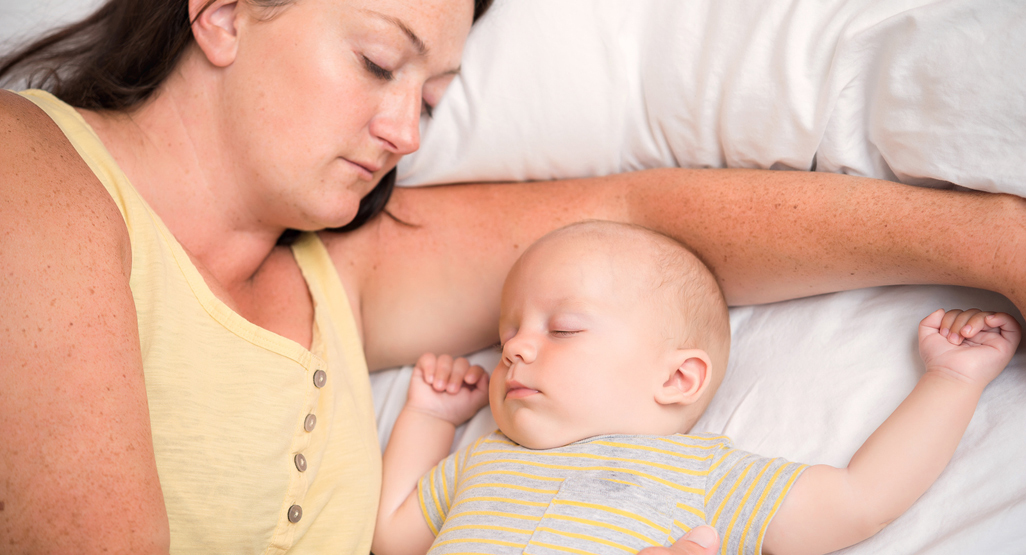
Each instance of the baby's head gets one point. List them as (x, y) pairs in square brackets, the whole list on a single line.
[(607, 328)]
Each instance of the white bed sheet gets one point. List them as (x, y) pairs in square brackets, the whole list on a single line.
[(810, 379), (920, 91)]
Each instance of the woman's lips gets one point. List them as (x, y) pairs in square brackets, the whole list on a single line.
[(366, 171)]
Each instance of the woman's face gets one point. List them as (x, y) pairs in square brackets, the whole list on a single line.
[(323, 99)]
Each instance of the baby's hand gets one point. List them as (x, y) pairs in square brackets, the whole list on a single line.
[(449, 389), (972, 345)]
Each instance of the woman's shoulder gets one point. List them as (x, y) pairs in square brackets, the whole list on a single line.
[(47, 187), (22, 121), (71, 365)]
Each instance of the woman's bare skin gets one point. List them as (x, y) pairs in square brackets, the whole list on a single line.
[(77, 459)]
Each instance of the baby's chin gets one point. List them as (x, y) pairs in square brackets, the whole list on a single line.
[(539, 440), (541, 437)]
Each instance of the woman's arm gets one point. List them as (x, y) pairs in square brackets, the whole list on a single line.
[(77, 471), (768, 235)]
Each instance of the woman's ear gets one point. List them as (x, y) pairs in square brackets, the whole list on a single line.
[(690, 375), (215, 29)]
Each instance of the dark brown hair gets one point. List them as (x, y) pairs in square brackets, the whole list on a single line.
[(118, 56)]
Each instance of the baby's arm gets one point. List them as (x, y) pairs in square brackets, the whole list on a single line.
[(443, 394), (829, 508)]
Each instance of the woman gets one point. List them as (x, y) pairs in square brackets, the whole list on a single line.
[(176, 378)]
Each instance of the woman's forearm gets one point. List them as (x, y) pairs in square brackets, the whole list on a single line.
[(768, 235), (771, 236)]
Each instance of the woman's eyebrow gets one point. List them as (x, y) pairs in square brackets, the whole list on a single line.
[(422, 48)]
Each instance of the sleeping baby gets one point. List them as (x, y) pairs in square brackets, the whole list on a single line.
[(614, 339)]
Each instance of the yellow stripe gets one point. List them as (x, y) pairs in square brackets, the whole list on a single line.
[(445, 487), (423, 508), (744, 501), (612, 527), (709, 494), (470, 552), (466, 457), (586, 538), (434, 494), (624, 482), (657, 450), (501, 500), (719, 442), (682, 526), (499, 441), (758, 505), (488, 527), (477, 540), (640, 462), (604, 468), (515, 473), (514, 486), (560, 547), (473, 449), (497, 513), (613, 510), (456, 471), (776, 505), (693, 510), (720, 460), (733, 488)]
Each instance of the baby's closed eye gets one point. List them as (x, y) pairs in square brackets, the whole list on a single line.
[(564, 333)]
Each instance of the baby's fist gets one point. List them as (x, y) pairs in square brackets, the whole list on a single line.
[(448, 388), (971, 344)]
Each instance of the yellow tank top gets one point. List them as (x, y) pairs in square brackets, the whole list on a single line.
[(262, 446)]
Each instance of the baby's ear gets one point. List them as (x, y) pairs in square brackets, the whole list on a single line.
[(688, 378)]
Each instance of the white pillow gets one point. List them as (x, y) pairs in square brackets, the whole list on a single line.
[(921, 91), (22, 21)]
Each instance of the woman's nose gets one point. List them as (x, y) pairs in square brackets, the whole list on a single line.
[(519, 348), (398, 123)]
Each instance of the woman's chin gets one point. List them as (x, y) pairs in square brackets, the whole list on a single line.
[(318, 218)]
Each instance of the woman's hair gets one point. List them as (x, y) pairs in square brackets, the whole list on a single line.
[(118, 56)]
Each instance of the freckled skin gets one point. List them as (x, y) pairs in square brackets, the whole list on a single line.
[(843, 232)]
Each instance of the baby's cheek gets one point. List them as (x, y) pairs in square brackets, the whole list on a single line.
[(496, 385)]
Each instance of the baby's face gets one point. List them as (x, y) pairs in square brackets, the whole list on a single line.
[(582, 344)]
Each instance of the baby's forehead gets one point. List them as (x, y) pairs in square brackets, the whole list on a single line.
[(610, 251), (629, 267)]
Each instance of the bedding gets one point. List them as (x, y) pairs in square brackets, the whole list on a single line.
[(923, 92)]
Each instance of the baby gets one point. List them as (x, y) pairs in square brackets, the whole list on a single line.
[(614, 340)]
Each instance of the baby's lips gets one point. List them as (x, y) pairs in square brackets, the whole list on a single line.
[(519, 392)]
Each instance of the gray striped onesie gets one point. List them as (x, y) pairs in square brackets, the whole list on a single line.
[(607, 494)]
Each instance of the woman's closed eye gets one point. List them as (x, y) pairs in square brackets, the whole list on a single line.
[(387, 75), (377, 71)]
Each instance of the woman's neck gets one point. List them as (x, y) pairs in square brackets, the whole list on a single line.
[(172, 151)]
